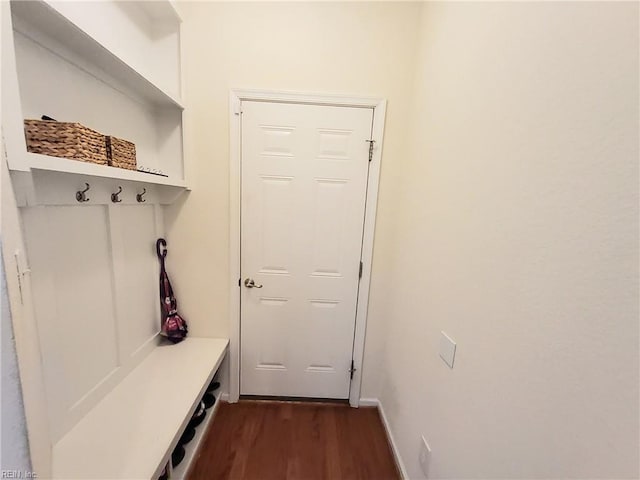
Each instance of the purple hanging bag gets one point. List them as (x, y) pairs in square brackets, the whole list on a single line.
[(174, 327)]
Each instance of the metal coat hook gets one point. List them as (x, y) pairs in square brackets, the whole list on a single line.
[(80, 194), (115, 197), (161, 249), (140, 195)]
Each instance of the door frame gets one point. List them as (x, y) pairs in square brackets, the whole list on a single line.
[(236, 97)]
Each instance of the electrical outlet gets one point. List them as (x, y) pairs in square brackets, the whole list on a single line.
[(425, 457)]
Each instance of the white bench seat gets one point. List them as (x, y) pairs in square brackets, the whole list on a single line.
[(131, 433)]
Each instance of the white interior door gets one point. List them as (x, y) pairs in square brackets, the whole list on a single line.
[(304, 181)]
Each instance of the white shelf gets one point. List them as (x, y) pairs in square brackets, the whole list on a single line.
[(133, 430), (191, 449), (37, 18), (37, 161)]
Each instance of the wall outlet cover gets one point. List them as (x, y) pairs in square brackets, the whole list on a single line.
[(447, 349), (425, 456)]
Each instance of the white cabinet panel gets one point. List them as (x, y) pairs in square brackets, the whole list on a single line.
[(73, 294), (95, 284), (133, 234)]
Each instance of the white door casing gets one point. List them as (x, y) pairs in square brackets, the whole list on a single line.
[(304, 184), (236, 97)]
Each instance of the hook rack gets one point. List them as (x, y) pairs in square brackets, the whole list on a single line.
[(115, 197), (140, 195), (81, 194)]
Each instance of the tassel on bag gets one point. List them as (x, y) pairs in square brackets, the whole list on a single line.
[(174, 327)]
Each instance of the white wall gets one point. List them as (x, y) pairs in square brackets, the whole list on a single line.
[(508, 215), (518, 236), (360, 48)]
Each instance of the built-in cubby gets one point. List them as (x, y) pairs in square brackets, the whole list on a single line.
[(111, 66), (112, 398)]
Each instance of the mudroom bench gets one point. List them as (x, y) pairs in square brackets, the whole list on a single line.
[(132, 431)]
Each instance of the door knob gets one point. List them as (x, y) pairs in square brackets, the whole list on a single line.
[(249, 283)]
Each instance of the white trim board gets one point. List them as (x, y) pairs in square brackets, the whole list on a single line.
[(369, 402), (374, 402), (379, 106)]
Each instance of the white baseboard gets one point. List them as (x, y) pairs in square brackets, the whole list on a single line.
[(374, 402), (369, 402), (224, 397)]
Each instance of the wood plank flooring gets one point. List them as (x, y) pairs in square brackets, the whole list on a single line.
[(264, 440)]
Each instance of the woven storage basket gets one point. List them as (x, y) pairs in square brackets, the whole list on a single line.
[(121, 154), (66, 140)]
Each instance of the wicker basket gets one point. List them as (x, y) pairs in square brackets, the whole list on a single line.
[(66, 140), (121, 154)]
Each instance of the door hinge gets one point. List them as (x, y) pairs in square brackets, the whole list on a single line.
[(239, 280), (371, 142), (352, 370), (360, 271)]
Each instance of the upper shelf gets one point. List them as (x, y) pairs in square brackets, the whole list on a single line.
[(48, 21), (37, 161)]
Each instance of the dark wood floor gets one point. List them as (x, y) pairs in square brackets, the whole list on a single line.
[(263, 440)]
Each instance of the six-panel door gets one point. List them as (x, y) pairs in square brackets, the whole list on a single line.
[(304, 178)]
